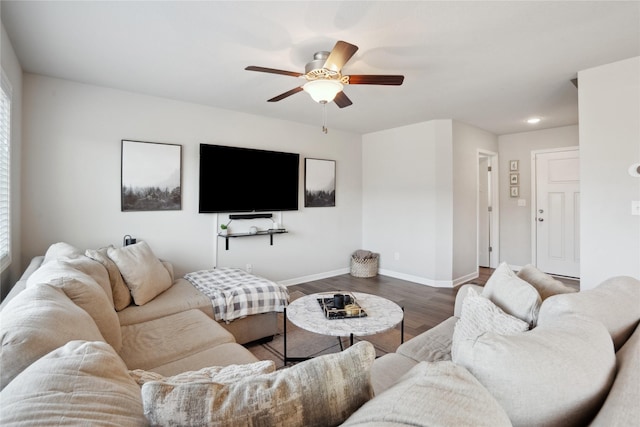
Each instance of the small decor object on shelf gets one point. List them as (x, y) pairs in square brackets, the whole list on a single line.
[(224, 229), (364, 263)]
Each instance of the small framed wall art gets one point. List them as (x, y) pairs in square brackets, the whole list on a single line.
[(513, 165), (151, 176), (514, 178), (515, 191), (319, 183)]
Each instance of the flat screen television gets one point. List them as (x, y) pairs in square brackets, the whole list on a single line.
[(235, 179)]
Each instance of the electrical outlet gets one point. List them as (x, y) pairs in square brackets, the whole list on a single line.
[(635, 207), (249, 268)]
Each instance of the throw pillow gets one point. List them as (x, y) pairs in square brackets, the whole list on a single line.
[(120, 291), (479, 316), (557, 374), (85, 292), (39, 320), (81, 383), (512, 294), (433, 394), (318, 392), (143, 273), (217, 374), (545, 284)]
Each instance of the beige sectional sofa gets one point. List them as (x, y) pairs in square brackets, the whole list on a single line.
[(548, 355), (523, 350)]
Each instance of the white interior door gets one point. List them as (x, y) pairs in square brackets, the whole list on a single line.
[(484, 220), (557, 212)]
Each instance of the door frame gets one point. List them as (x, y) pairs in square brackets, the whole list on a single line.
[(534, 196), (494, 238)]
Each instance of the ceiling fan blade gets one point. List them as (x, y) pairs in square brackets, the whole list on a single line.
[(286, 94), (342, 100), (364, 79), (273, 71), (341, 53)]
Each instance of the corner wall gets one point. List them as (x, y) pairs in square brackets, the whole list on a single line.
[(609, 104)]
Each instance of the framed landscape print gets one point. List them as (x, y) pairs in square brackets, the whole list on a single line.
[(319, 183), (151, 176)]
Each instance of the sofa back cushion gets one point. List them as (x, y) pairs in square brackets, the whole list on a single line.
[(38, 320), (615, 303), (557, 374), (85, 292), (143, 273), (81, 383), (545, 284), (120, 291), (512, 294), (432, 394), (61, 250)]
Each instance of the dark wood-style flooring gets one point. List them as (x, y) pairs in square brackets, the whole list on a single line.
[(424, 306)]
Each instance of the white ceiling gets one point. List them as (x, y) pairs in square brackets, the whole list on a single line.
[(488, 64)]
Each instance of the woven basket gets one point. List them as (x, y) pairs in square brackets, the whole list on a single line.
[(367, 267)]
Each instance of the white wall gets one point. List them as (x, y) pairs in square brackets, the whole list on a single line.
[(13, 70), (609, 106), (515, 221), (407, 200), (71, 181), (467, 140), (420, 199)]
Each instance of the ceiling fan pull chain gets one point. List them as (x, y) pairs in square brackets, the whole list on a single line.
[(324, 117)]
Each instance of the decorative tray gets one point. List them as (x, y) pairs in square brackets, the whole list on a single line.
[(351, 308)]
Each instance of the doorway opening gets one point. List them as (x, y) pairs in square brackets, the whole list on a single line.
[(487, 211)]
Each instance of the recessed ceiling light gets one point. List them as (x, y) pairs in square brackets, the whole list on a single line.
[(534, 120)]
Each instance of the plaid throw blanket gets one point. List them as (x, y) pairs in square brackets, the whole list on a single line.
[(236, 294)]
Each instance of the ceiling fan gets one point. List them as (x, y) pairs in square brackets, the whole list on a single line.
[(325, 81)]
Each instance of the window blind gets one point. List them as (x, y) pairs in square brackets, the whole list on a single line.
[(5, 128)]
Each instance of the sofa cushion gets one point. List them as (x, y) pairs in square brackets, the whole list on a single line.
[(387, 370), (318, 392), (433, 394), (94, 269), (181, 296), (512, 294), (556, 374), (61, 250), (431, 346), (480, 315), (143, 273), (38, 320), (615, 302), (154, 343), (81, 383), (120, 291), (217, 374), (621, 407), (545, 284), (85, 292), (219, 355)]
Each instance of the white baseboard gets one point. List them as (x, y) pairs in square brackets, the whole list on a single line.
[(312, 277), (402, 276), (463, 279), (417, 279)]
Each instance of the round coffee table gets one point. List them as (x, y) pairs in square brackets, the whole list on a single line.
[(306, 313)]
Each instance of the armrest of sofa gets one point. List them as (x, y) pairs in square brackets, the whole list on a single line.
[(462, 294)]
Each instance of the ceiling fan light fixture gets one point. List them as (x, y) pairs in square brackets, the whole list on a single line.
[(323, 90)]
